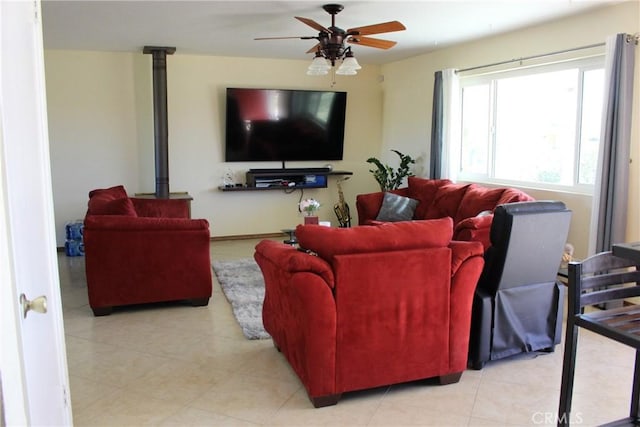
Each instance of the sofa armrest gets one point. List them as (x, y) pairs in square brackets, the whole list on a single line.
[(293, 261), (161, 208), (474, 229), (467, 262), (368, 206), (461, 252), (299, 312)]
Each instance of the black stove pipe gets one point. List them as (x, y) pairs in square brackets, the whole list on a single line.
[(161, 129)]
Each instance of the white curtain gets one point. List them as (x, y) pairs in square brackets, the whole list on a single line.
[(451, 124), (609, 209)]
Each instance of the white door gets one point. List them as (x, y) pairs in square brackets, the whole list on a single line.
[(33, 365)]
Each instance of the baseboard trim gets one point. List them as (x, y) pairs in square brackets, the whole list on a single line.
[(231, 237), (247, 236)]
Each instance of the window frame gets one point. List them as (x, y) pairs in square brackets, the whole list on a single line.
[(583, 64)]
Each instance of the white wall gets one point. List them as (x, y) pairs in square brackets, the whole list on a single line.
[(101, 130), (408, 92), (92, 128)]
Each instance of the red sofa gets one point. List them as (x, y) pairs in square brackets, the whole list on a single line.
[(143, 251), (469, 205), (377, 306)]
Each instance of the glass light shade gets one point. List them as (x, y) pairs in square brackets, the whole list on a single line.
[(349, 66), (319, 64), (316, 72), (351, 62)]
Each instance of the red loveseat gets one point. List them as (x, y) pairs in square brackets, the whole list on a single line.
[(469, 205), (377, 306), (143, 251)]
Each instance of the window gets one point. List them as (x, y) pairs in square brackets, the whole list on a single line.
[(536, 126)]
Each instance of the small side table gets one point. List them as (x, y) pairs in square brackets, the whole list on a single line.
[(292, 240)]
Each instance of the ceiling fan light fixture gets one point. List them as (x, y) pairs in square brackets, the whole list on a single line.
[(331, 42)]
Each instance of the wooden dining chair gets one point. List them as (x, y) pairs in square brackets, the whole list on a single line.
[(598, 279)]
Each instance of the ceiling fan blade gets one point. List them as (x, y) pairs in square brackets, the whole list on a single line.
[(282, 38), (314, 49), (313, 24), (385, 27), (371, 42)]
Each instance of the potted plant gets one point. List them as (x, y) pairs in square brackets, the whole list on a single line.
[(309, 207), (389, 178)]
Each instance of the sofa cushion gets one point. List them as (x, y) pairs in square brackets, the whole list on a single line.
[(477, 199), (424, 190), (511, 195), (447, 201), (328, 242), (122, 206), (100, 197), (396, 208)]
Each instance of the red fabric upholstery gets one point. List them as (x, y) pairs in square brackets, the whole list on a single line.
[(161, 208), (477, 199), (99, 199), (122, 206), (133, 259), (447, 201), (475, 229), (440, 198), (424, 190), (329, 242), (379, 305)]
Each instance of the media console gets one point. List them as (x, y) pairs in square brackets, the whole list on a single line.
[(284, 179)]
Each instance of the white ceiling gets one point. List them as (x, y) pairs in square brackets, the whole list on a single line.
[(227, 28)]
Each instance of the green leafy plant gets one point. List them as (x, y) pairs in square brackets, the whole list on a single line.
[(389, 178)]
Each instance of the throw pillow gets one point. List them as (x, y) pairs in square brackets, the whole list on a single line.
[(477, 199), (111, 193), (447, 201), (396, 208), (98, 198)]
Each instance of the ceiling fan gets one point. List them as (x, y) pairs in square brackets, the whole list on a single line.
[(331, 41)]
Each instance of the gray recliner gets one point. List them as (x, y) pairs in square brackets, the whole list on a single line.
[(518, 303)]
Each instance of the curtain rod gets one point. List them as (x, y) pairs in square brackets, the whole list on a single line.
[(525, 58)]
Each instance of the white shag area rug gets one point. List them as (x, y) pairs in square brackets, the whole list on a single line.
[(242, 283)]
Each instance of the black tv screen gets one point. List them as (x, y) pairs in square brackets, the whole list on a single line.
[(280, 125)]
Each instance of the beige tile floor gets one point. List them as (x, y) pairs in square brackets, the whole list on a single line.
[(181, 365)]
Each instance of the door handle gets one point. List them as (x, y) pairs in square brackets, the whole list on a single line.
[(39, 305)]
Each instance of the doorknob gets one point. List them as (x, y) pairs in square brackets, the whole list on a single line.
[(39, 305)]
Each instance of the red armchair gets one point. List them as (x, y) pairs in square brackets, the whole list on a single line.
[(143, 251), (377, 306)]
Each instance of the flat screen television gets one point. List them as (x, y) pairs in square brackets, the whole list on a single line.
[(283, 124)]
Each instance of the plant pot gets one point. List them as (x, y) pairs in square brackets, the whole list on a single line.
[(310, 220)]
